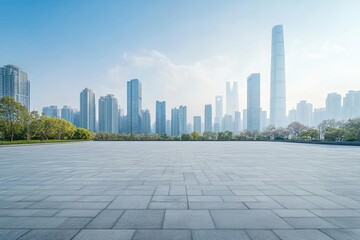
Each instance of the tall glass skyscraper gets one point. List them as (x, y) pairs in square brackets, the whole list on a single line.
[(218, 113), (87, 110), (67, 113), (253, 102), (108, 114), (277, 84), (14, 83), (197, 124), (182, 119), (50, 111), (333, 106), (208, 118), (146, 122), (175, 130), (134, 106), (232, 98), (160, 122)]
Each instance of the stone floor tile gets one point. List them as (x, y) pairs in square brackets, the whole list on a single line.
[(162, 235), (141, 219), (109, 234), (188, 219)]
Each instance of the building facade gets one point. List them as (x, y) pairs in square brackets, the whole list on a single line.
[(88, 110), (160, 122), (197, 124), (134, 106), (208, 118), (253, 102), (108, 114)]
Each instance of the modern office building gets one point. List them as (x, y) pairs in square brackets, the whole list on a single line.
[(333, 106), (168, 127), (218, 113), (87, 110), (67, 113), (146, 122), (319, 116), (50, 111), (244, 119), (232, 98), (277, 82), (108, 114), (304, 113), (76, 119), (263, 120), (228, 123), (197, 124), (237, 122), (134, 106), (351, 105), (14, 83), (253, 102), (208, 118), (160, 122), (175, 129), (182, 119)]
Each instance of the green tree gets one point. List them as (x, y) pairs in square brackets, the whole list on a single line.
[(225, 136), (334, 134), (185, 137), (295, 129), (63, 129), (310, 135), (13, 115), (209, 136), (195, 136), (352, 127), (83, 134)]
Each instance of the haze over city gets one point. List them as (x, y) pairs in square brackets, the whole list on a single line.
[(182, 52)]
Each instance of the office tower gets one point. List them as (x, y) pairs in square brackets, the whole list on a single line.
[(67, 113), (218, 113), (319, 115), (197, 124), (108, 114), (76, 118), (232, 98), (351, 105), (175, 128), (160, 122), (134, 106), (146, 122), (253, 102), (87, 110), (228, 123), (189, 128), (51, 111), (263, 119), (168, 127), (14, 83), (304, 111), (333, 106), (182, 119), (277, 82), (208, 118), (244, 120), (291, 116), (237, 122)]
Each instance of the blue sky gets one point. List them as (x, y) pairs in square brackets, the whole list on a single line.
[(182, 51)]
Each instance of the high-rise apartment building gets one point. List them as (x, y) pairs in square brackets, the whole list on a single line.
[(14, 83), (160, 122), (134, 106), (108, 114), (182, 119), (67, 113), (277, 84), (351, 105), (197, 124), (333, 106), (304, 113), (146, 122), (319, 116), (253, 102), (208, 118), (237, 122), (87, 110), (175, 128)]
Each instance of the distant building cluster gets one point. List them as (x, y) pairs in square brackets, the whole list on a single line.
[(111, 117)]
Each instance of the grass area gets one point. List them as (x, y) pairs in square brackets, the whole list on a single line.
[(36, 141)]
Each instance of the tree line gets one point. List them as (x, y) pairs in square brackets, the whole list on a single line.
[(328, 130), (17, 123)]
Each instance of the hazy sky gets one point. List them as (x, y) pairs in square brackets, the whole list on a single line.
[(183, 52)]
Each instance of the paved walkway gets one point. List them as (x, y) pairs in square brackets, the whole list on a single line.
[(180, 190)]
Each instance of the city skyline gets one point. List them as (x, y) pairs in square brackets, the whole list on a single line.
[(321, 55)]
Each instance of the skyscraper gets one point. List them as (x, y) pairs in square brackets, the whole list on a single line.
[(160, 125), (197, 124), (134, 106), (108, 114), (175, 130), (182, 119), (76, 119), (304, 113), (208, 118), (278, 85), (146, 122), (253, 102), (67, 113), (87, 110), (319, 116), (333, 106), (218, 113), (232, 98), (14, 83), (244, 119), (351, 105), (50, 111), (228, 123), (237, 122)]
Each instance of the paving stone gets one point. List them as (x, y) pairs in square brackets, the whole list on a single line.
[(106, 219), (343, 234), (247, 219), (345, 222), (12, 234), (91, 234), (302, 235), (216, 205), (294, 213), (130, 202), (162, 235), (168, 205), (77, 213), (49, 234), (188, 219), (220, 234), (262, 235), (313, 222), (141, 219)]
